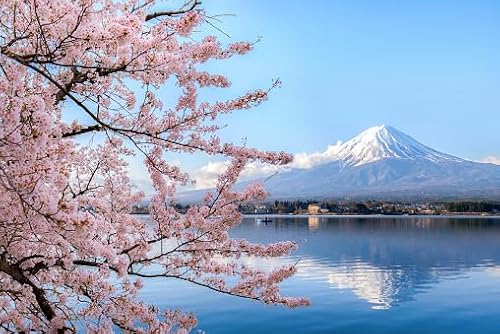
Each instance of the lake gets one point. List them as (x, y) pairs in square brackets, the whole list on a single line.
[(364, 275)]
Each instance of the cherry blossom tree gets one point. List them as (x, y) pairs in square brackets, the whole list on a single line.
[(72, 257)]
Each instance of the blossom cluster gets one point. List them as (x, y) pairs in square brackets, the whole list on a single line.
[(71, 254)]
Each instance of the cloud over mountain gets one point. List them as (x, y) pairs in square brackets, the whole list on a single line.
[(491, 160), (381, 162), (206, 176)]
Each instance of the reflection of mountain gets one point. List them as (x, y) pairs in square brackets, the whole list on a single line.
[(381, 287), (388, 261), (377, 286), (494, 271)]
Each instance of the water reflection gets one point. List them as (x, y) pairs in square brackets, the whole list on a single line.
[(313, 223), (387, 262), (493, 271), (363, 274), (376, 286)]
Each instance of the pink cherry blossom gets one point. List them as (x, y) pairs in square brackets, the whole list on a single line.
[(71, 253)]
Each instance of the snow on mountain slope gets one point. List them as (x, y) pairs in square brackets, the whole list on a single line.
[(382, 142), (385, 163)]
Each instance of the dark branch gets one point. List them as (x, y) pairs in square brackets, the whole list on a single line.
[(81, 131), (194, 4), (17, 274)]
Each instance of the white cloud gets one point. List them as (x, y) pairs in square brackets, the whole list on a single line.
[(206, 176), (491, 159), (308, 160), (259, 169)]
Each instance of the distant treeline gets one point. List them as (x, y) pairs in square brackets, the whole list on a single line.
[(371, 207), (357, 207), (327, 206), (471, 207)]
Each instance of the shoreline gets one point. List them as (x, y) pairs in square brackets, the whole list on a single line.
[(305, 215), (347, 215)]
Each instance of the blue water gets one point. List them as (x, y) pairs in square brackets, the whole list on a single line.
[(364, 275)]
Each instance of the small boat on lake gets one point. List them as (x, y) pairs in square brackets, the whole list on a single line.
[(264, 220)]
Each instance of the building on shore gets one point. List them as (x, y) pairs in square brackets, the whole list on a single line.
[(313, 209)]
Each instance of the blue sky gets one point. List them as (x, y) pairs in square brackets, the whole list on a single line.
[(428, 68)]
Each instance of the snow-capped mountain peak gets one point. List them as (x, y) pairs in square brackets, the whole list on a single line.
[(382, 142), (384, 163)]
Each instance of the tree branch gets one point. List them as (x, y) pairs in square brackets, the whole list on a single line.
[(81, 131), (194, 4), (17, 274)]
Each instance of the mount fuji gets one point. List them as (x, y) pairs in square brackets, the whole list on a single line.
[(385, 142), (382, 163), (385, 163)]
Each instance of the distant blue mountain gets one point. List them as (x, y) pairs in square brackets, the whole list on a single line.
[(385, 163)]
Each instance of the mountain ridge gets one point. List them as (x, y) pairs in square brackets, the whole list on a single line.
[(385, 163), (383, 141)]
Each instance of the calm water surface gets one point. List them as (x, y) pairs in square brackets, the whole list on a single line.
[(364, 275)]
